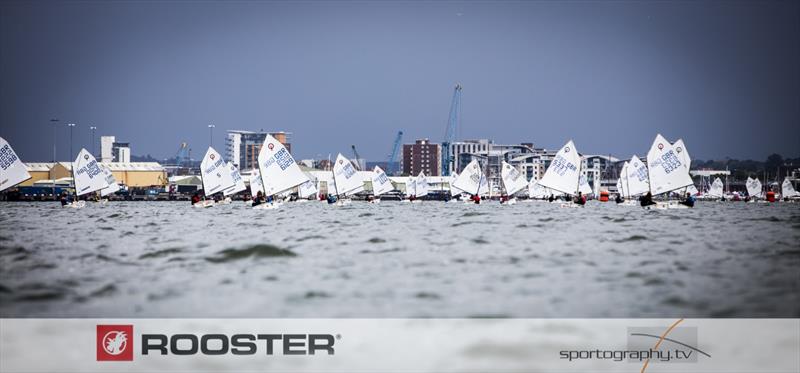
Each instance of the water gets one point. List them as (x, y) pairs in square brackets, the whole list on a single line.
[(165, 259)]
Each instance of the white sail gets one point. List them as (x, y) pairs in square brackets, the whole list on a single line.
[(513, 180), (667, 171), (563, 174), (622, 182), (307, 189), (583, 185), (345, 175), (421, 185), (787, 190), (638, 180), (753, 187), (691, 189), (88, 175), (683, 154), (215, 175), (12, 170), (453, 190), (716, 188), (470, 179), (380, 182), (411, 185), (236, 177), (112, 187), (256, 185), (278, 169), (484, 186), (535, 190)]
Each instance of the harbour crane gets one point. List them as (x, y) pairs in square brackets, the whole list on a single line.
[(357, 158), (393, 155), (450, 133)]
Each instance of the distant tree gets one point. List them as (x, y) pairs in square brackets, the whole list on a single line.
[(774, 162)]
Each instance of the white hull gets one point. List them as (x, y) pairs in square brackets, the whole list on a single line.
[(267, 206), (512, 201), (570, 205), (76, 205), (203, 204)]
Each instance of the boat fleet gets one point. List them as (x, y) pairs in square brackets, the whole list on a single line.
[(279, 178)]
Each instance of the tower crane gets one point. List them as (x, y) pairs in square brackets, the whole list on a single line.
[(393, 155), (450, 132)]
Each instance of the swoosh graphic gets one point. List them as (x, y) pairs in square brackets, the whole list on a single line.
[(673, 341)]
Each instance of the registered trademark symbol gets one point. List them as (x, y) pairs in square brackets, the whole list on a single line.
[(338, 336)]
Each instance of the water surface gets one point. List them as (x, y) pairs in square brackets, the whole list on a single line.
[(166, 259)]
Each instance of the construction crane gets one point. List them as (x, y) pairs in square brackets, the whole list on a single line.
[(357, 158), (450, 133), (393, 155), (182, 156)]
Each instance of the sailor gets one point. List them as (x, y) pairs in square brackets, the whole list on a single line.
[(195, 198), (331, 199), (552, 198), (503, 199), (412, 197), (259, 198), (689, 201), (64, 198), (580, 199), (476, 198), (646, 200), (619, 199)]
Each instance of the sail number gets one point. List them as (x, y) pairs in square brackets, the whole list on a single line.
[(7, 157), (560, 165), (670, 161)]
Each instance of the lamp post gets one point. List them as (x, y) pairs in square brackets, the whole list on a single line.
[(54, 121), (93, 128), (70, 125), (211, 135)]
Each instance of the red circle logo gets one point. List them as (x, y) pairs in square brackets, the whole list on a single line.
[(660, 146), (270, 146), (566, 150), (211, 156)]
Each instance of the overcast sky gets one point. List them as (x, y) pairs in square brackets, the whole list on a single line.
[(724, 76)]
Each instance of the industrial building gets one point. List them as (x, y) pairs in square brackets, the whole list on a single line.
[(132, 174), (422, 156), (113, 151), (242, 147)]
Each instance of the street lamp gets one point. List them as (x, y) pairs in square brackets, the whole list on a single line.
[(211, 135), (70, 125), (54, 121), (93, 128)]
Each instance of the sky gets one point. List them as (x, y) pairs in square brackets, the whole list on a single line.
[(722, 75)]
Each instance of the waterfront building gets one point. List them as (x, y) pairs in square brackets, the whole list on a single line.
[(422, 156), (242, 147)]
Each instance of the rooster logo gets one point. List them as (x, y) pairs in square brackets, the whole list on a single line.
[(115, 342)]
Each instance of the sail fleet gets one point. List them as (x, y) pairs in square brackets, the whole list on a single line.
[(665, 173)]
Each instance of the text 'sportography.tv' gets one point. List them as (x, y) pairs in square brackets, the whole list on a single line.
[(400, 186)]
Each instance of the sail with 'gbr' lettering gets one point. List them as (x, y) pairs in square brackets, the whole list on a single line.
[(12, 170), (637, 177), (87, 174), (470, 179), (112, 187), (236, 178), (380, 182), (563, 174), (279, 171), (513, 180), (666, 169), (214, 172), (345, 176)]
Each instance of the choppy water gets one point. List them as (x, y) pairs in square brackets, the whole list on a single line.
[(164, 259)]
